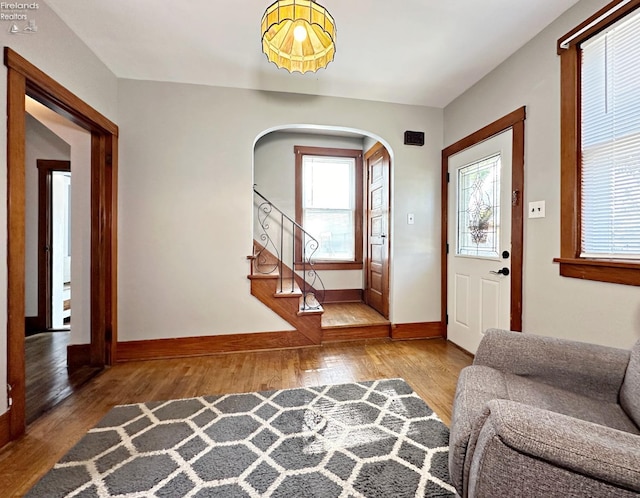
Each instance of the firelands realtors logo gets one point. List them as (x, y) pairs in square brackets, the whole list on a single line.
[(18, 15)]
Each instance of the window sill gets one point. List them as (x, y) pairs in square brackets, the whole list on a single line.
[(601, 270), (331, 265)]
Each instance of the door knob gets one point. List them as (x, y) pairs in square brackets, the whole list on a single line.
[(502, 271)]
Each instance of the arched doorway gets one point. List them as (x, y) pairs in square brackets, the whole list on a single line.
[(279, 153)]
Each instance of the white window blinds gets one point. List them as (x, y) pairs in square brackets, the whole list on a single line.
[(610, 170)]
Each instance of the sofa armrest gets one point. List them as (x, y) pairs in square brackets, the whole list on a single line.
[(586, 448), (588, 369)]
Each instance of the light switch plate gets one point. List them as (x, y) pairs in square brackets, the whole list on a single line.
[(410, 219), (536, 209)]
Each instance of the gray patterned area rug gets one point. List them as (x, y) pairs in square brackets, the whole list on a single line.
[(367, 439)]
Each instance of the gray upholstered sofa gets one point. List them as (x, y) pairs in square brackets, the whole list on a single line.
[(542, 417)]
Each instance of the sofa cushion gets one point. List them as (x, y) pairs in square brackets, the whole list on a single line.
[(555, 399), (477, 385), (527, 451), (630, 391)]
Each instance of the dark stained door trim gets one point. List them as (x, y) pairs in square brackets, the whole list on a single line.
[(515, 121), (24, 79), (45, 169)]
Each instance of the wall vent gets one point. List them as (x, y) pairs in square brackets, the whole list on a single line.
[(414, 138)]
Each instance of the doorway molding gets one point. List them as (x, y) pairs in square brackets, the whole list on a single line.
[(515, 121), (45, 169), (24, 79)]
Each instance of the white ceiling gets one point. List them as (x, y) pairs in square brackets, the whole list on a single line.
[(424, 52)]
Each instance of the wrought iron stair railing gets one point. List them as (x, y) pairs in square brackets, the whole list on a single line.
[(284, 239)]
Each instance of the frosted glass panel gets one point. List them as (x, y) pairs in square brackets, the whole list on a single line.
[(479, 208)]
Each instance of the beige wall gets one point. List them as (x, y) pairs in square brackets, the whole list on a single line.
[(58, 52), (186, 209), (553, 305)]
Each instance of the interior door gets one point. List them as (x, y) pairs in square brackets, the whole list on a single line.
[(479, 237), (377, 264), (51, 276)]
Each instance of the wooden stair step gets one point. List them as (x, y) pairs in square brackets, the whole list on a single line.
[(263, 276), (285, 293), (309, 312), (308, 324), (314, 309)]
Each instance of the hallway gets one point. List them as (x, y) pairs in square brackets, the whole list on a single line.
[(48, 381)]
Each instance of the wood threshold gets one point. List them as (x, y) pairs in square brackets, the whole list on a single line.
[(419, 330), (184, 347), (355, 332)]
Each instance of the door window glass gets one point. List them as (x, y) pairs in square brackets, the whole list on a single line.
[(479, 208)]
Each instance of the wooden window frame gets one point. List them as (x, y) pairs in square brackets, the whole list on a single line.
[(571, 263), (356, 154)]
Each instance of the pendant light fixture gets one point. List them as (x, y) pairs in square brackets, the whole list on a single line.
[(298, 35)]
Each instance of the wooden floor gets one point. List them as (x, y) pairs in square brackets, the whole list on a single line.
[(350, 315), (47, 379), (431, 367)]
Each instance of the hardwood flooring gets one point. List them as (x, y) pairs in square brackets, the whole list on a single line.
[(350, 315), (48, 381), (431, 367)]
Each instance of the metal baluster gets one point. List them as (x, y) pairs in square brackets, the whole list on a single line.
[(264, 211), (281, 247), (293, 254)]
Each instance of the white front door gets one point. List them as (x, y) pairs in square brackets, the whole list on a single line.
[(479, 238)]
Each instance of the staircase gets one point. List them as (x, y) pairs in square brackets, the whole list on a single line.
[(297, 296), (288, 305)]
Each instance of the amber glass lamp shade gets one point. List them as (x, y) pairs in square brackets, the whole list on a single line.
[(298, 35)]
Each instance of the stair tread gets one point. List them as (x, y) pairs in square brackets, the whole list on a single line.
[(276, 288), (318, 311), (262, 276), (285, 293)]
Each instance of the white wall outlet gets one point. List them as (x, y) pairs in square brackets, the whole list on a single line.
[(536, 209), (410, 219)]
